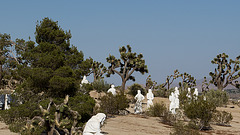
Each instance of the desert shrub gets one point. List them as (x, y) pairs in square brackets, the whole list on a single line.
[(200, 112), (135, 87), (158, 93), (217, 97), (112, 104), (157, 110), (100, 85), (222, 118), (168, 118), (179, 128), (86, 88)]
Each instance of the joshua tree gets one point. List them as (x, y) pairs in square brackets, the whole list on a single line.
[(149, 83), (188, 81), (224, 74), (171, 78), (205, 85), (127, 64), (98, 69)]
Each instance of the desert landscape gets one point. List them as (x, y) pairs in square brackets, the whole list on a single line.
[(140, 124)]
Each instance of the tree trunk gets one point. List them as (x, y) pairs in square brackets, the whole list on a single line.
[(123, 85)]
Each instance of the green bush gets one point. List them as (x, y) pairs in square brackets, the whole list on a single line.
[(113, 104), (179, 128), (200, 112), (135, 87), (222, 118), (157, 110), (100, 85), (217, 97)]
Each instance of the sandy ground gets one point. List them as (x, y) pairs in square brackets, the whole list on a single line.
[(141, 125)]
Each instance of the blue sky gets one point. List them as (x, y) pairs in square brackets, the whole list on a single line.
[(184, 35)]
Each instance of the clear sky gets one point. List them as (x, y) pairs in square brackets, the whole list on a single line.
[(176, 34)]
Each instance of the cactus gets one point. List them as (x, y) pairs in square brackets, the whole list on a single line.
[(224, 74), (127, 64), (63, 117)]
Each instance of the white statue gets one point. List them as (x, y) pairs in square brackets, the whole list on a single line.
[(196, 92), (94, 124), (189, 93), (84, 81), (172, 103), (112, 90), (176, 94), (173, 98), (150, 98), (138, 106), (6, 102)]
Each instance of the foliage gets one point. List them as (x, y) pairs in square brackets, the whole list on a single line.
[(64, 120), (200, 112), (150, 84), (98, 69), (128, 63), (179, 128), (226, 72), (113, 104), (135, 87), (8, 60), (52, 66), (217, 97), (188, 81), (100, 85), (157, 110), (222, 118)]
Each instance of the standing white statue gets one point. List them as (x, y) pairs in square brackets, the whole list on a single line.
[(150, 98), (84, 81), (172, 103), (173, 98), (189, 93), (138, 106), (6, 102), (94, 124), (112, 90), (176, 94), (196, 93)]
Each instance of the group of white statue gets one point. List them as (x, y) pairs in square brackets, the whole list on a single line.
[(139, 97), (94, 124), (173, 98)]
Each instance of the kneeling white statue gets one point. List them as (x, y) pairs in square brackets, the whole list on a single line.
[(138, 106), (94, 124)]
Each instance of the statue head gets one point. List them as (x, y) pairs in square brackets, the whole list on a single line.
[(149, 91), (112, 86), (101, 117), (139, 91), (84, 77), (176, 88)]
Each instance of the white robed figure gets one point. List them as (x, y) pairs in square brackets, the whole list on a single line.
[(84, 81), (138, 106), (112, 90), (93, 126), (150, 98), (176, 94), (172, 103), (195, 93)]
